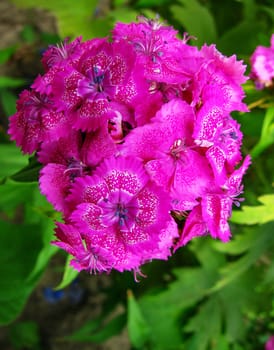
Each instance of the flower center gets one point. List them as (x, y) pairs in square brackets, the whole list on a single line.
[(75, 168), (35, 106), (95, 84), (177, 149), (119, 208), (150, 46), (97, 79)]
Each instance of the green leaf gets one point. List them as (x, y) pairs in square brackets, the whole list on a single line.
[(209, 259), (260, 214), (94, 332), (25, 245), (124, 14), (39, 211), (232, 40), (263, 241), (138, 329), (269, 276), (151, 3), (190, 287), (209, 327), (46, 252), (221, 343), (25, 335), (237, 347), (269, 11), (11, 159), (28, 34), (13, 194), (8, 101), (6, 53), (8, 82), (16, 263), (29, 173), (240, 244), (267, 134), (69, 275), (197, 20), (236, 299), (249, 10)]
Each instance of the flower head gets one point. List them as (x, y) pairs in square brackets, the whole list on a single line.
[(120, 210), (262, 65), (138, 148)]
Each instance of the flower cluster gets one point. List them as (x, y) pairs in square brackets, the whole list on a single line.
[(138, 147), (262, 65)]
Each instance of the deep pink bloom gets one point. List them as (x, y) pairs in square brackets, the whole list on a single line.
[(157, 48), (36, 121), (122, 211), (262, 65), (87, 256), (68, 158), (270, 343), (139, 150), (194, 226), (62, 54), (63, 163), (88, 90), (171, 158), (213, 210), (221, 136)]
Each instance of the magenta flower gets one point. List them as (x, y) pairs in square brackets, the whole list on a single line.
[(63, 54), (219, 81), (36, 121), (87, 256), (63, 163), (87, 90), (221, 135), (213, 210), (157, 48), (120, 210), (262, 65), (270, 343), (138, 147)]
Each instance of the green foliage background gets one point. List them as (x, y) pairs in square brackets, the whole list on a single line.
[(209, 295)]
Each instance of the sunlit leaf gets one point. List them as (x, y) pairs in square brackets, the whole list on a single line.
[(8, 82), (260, 214), (74, 19), (238, 245), (11, 159)]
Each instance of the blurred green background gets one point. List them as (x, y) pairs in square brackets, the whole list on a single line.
[(209, 295)]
